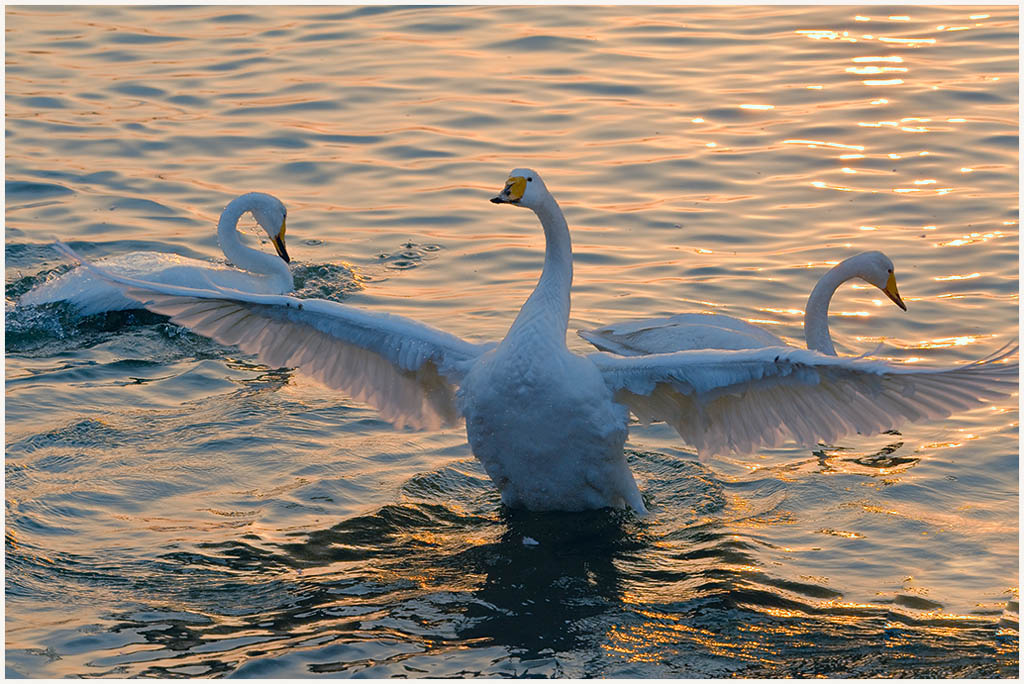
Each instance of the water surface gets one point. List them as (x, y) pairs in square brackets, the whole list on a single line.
[(174, 508)]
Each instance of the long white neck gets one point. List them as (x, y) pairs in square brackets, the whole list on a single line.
[(244, 257), (545, 315), (816, 312)]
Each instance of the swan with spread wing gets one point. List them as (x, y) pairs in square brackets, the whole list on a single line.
[(549, 425), (254, 271)]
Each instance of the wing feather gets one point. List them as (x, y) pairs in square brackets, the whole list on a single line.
[(404, 368), (744, 400)]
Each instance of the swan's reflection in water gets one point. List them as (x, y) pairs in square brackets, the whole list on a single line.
[(884, 461), (548, 578)]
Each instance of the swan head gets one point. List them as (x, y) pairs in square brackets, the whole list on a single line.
[(524, 188), (271, 214), (877, 269)]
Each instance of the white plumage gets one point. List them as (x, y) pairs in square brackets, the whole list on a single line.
[(261, 273), (679, 333), (548, 425), (717, 331), (405, 369), (743, 400)]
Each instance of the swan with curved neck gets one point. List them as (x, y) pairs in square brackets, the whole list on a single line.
[(872, 267), (718, 331), (255, 271), (271, 214), (548, 425)]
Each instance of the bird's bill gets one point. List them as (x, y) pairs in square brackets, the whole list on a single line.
[(278, 241), (513, 192), (893, 293)]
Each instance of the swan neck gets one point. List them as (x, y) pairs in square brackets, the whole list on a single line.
[(246, 257), (546, 311), (816, 331), (557, 246)]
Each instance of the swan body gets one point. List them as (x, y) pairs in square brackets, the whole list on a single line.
[(548, 425), (678, 333), (262, 273), (717, 331)]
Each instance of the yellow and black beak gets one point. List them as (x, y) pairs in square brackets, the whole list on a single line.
[(893, 293), (513, 192), (278, 241)]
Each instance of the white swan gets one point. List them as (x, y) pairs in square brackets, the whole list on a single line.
[(718, 331), (549, 425), (263, 273)]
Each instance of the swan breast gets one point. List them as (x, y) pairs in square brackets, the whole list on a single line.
[(547, 431)]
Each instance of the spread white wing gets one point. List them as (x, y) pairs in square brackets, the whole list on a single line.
[(743, 400), (405, 369)]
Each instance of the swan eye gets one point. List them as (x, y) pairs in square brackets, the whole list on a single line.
[(529, 179)]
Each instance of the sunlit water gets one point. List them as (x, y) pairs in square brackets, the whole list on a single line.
[(174, 508)]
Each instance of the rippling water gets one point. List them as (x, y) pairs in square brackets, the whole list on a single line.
[(173, 508)]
